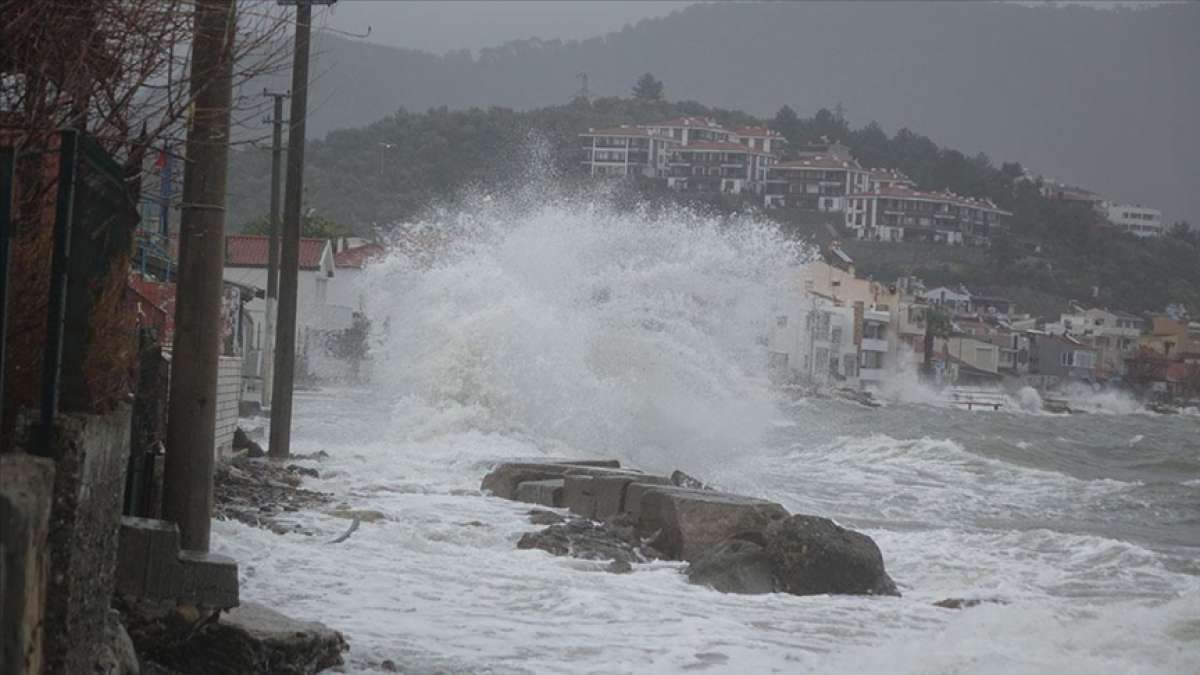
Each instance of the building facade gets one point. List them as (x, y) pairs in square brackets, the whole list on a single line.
[(627, 151), (904, 214), (1135, 219)]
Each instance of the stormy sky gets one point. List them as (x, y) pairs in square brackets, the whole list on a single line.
[(439, 27), (1102, 99)]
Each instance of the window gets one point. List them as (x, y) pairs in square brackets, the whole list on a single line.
[(781, 321), (836, 336)]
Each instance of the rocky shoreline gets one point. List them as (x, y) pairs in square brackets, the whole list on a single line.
[(732, 543)]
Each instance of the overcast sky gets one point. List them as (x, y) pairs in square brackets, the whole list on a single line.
[(442, 26), (445, 25)]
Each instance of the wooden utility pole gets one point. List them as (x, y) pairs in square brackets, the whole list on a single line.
[(191, 425), (268, 358), (285, 337)]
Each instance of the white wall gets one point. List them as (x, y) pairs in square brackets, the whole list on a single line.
[(229, 394), (1138, 220)]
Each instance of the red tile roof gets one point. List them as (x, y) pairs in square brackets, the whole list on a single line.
[(890, 175), (699, 122), (359, 256), (721, 147), (763, 132), (624, 131), (250, 250), (899, 192), (819, 162)]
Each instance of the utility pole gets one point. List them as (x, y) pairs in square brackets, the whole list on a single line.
[(268, 359), (191, 425), (285, 339)]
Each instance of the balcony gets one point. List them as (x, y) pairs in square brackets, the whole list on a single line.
[(881, 316), (874, 345)]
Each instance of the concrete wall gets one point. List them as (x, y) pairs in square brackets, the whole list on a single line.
[(26, 490), (89, 483), (229, 394)]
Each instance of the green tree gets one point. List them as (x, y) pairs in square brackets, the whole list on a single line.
[(315, 226), (648, 88)]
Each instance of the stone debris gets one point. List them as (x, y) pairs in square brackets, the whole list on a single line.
[(733, 543), (964, 603), (261, 493), (588, 540), (544, 517)]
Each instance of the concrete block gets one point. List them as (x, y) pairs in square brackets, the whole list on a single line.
[(208, 580), (685, 523), (601, 496), (151, 566), (544, 492), (147, 558), (503, 480), (26, 492)]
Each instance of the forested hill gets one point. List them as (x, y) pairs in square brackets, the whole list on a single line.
[(391, 170), (1105, 99)]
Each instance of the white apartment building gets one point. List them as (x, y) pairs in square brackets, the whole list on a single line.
[(1135, 219), (627, 151), (812, 340)]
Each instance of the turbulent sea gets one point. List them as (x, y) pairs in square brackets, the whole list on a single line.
[(550, 329)]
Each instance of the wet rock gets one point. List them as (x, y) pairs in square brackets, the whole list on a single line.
[(684, 480), (365, 515), (734, 566), (544, 517), (241, 441), (389, 666), (684, 523), (619, 567), (249, 639), (303, 470), (584, 539), (811, 555), (964, 603)]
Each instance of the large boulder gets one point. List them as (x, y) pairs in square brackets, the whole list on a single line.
[(734, 566), (503, 480), (249, 639), (602, 496), (812, 555), (684, 523)]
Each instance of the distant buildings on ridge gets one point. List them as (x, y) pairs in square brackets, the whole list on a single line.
[(696, 154)]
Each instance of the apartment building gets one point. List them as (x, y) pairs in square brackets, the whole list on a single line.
[(718, 166), (1135, 219), (812, 341), (899, 213), (816, 182), (627, 151)]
